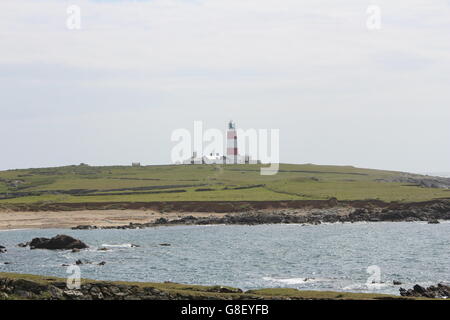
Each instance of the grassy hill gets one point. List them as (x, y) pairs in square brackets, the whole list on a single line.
[(82, 183)]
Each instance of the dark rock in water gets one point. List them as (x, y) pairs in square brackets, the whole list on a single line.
[(102, 263), (103, 249), (135, 245), (80, 262), (23, 245), (7, 262), (75, 250), (65, 265), (165, 244), (2, 249), (60, 242), (439, 291), (433, 221), (396, 283)]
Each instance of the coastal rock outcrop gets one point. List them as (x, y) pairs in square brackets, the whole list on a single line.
[(59, 242), (439, 291), (16, 286), (351, 212), (57, 290), (2, 249)]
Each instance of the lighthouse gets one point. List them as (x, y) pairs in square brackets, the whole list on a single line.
[(232, 148), (231, 155)]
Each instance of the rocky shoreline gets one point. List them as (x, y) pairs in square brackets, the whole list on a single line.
[(31, 287), (431, 212), (440, 291), (18, 289)]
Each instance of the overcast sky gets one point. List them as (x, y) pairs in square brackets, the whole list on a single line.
[(113, 91)]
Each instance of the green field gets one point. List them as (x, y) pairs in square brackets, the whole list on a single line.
[(82, 183)]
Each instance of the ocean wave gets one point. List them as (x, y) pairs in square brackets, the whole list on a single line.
[(366, 286), (122, 245), (23, 229), (295, 280)]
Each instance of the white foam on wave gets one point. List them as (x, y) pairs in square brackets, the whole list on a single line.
[(24, 229), (365, 286), (293, 280), (122, 245)]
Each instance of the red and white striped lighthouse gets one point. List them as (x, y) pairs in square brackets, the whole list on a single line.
[(232, 148)]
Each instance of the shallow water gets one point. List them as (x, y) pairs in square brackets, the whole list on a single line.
[(323, 257)]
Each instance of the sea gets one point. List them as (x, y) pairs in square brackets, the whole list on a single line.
[(353, 257)]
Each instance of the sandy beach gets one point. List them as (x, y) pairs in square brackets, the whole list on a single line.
[(68, 219)]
